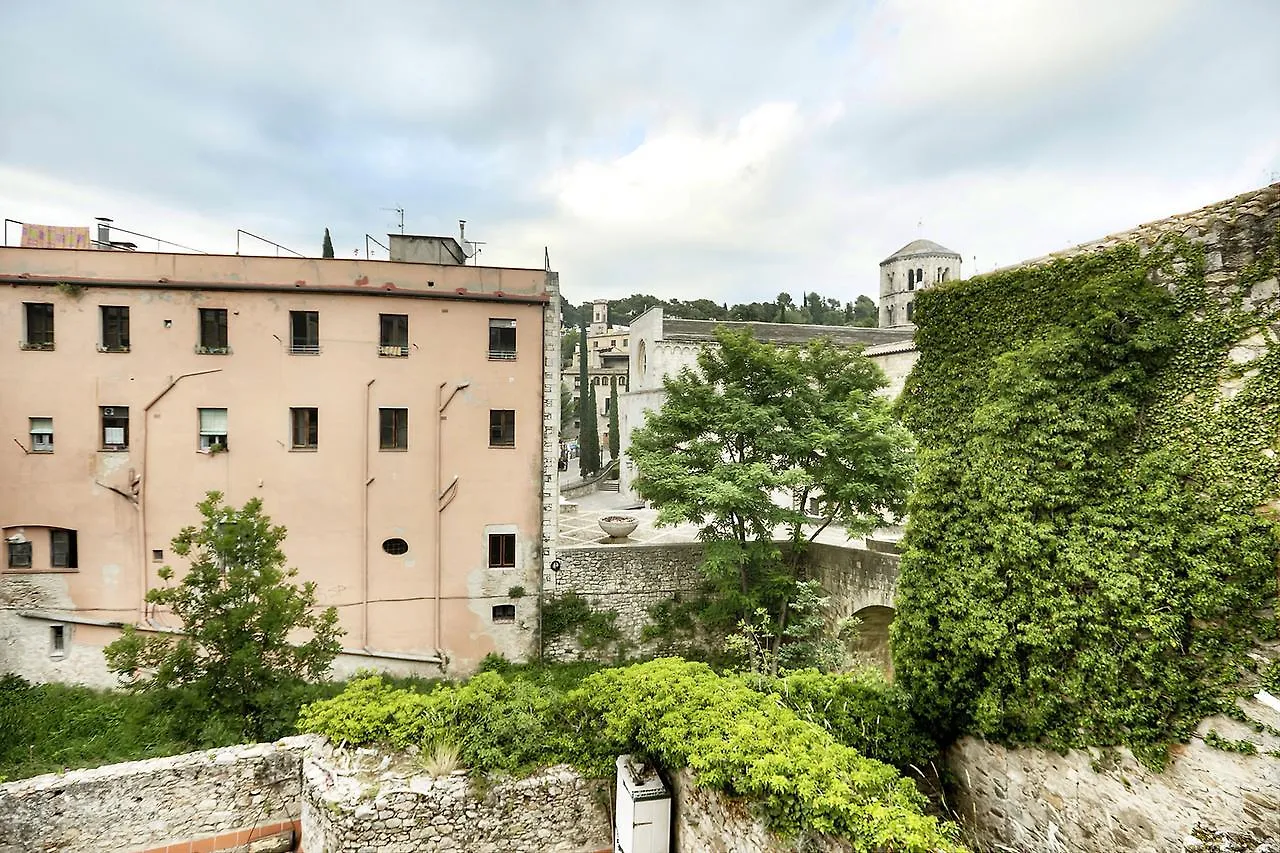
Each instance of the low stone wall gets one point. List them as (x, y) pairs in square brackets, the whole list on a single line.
[(147, 804), (363, 800), (628, 579), (710, 822), (1084, 802)]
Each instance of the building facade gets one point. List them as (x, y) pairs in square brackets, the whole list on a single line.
[(608, 359), (916, 266), (398, 418), (662, 347)]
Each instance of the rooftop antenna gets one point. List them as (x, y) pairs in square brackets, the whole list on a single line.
[(399, 210)]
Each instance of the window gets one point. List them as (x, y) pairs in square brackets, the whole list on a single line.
[(39, 317), (613, 342), (115, 427), (946, 271), (393, 335), (41, 435), (213, 430), (19, 555), (115, 328), (213, 331), (157, 555), (595, 344), (62, 549), (502, 428), (502, 339), (919, 275), (911, 279), (395, 547), (304, 332), (393, 429), (305, 429), (504, 614), (502, 550), (911, 311), (57, 640)]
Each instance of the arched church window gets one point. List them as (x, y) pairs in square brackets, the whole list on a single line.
[(911, 279), (919, 275), (911, 311)]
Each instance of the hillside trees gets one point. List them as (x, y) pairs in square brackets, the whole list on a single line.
[(741, 446)]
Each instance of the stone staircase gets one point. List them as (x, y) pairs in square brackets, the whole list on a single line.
[(608, 485)]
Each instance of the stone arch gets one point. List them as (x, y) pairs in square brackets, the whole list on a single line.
[(871, 638)]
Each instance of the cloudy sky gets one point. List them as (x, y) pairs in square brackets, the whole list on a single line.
[(728, 150)]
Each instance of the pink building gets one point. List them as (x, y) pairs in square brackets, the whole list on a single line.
[(394, 415)]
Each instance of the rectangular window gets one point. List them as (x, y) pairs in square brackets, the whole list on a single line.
[(502, 428), (213, 331), (115, 427), (62, 549), (39, 322), (502, 339), (157, 555), (115, 328), (213, 430), (306, 428), (57, 640), (393, 335), (504, 614), (41, 435), (19, 555), (304, 332), (393, 429), (502, 550)]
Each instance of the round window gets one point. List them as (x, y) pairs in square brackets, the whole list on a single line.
[(395, 546)]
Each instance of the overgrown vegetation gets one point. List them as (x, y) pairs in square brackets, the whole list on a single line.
[(570, 615), (743, 447), (734, 738), (814, 308), (1090, 553), (238, 653)]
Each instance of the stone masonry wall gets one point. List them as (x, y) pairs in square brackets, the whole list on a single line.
[(363, 800), (628, 579), (144, 804), (710, 822)]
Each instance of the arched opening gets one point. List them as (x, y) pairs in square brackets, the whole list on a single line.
[(642, 359), (911, 279), (919, 275), (871, 638)]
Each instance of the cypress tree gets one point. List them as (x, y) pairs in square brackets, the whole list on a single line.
[(583, 394), (328, 244), (614, 440), (591, 437)]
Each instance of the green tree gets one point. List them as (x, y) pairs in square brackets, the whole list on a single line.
[(328, 245), (568, 408), (586, 411), (865, 313), (741, 445), (614, 440), (784, 302), (589, 435), (241, 615)]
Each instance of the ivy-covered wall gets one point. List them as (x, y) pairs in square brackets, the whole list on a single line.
[(1091, 555)]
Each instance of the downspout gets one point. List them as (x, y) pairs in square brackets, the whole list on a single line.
[(364, 527), (143, 487)]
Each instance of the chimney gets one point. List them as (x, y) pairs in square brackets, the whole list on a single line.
[(104, 232)]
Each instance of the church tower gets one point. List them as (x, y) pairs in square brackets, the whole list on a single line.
[(916, 266)]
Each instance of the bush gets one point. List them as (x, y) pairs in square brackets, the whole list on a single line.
[(860, 709), (735, 739)]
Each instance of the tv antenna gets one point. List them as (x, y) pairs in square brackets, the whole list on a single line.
[(400, 211)]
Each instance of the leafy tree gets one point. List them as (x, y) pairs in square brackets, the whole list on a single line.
[(240, 614), (328, 245), (865, 313), (784, 302), (742, 444), (613, 418)]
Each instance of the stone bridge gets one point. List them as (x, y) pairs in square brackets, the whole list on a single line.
[(860, 582)]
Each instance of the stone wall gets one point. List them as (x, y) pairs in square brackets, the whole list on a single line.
[(363, 800), (146, 804), (628, 579), (1086, 802), (710, 822)]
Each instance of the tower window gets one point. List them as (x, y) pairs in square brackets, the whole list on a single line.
[(919, 275), (911, 279), (911, 311)]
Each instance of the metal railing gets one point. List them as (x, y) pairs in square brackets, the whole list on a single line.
[(278, 246)]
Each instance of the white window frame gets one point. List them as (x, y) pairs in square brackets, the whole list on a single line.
[(41, 445), (211, 432)]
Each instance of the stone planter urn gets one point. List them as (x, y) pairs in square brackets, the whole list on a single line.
[(619, 526)]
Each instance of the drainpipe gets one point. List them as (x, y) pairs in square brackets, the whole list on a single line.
[(143, 487), (364, 528), (444, 496)]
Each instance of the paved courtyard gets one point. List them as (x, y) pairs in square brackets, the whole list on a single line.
[(582, 526)]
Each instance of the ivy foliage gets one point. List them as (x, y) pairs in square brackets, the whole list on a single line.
[(735, 739), (1088, 559)]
